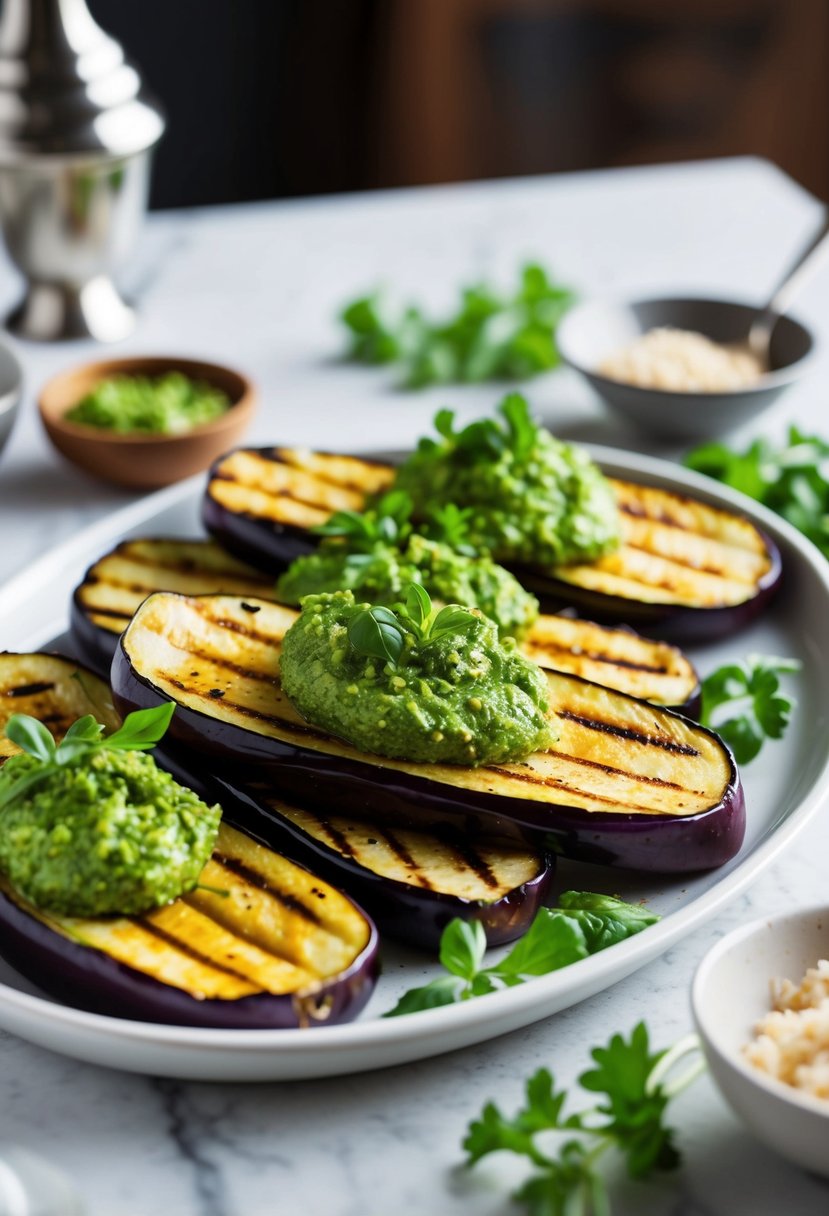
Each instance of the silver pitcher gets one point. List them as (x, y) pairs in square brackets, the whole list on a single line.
[(76, 135)]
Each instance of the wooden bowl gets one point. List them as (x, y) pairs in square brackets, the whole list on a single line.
[(143, 461)]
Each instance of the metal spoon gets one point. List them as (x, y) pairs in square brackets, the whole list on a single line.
[(808, 261)]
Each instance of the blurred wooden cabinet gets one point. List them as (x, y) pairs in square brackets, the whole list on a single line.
[(480, 88)]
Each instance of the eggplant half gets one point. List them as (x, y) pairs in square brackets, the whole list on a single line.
[(115, 585), (628, 783), (685, 571), (264, 943), (412, 881)]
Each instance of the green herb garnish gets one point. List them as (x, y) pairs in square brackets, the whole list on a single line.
[(633, 1082), (486, 437), (379, 632), (489, 337), (582, 924), (386, 523), (139, 731), (743, 703), (792, 479)]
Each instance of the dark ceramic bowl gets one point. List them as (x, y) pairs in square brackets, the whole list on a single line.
[(593, 330)]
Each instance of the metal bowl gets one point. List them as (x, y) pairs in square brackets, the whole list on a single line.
[(11, 387), (593, 330)]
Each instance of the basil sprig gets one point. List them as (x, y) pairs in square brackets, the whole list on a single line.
[(583, 923), (139, 731), (380, 633)]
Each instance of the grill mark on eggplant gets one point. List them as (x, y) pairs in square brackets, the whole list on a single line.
[(29, 690), (256, 879), (116, 614), (694, 567), (660, 517), (184, 947), (287, 492), (328, 479), (557, 783), (405, 856), (542, 648), (627, 732), (339, 839), (239, 627), (622, 772), (237, 669), (473, 861)]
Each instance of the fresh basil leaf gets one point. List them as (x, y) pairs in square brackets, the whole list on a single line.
[(32, 736), (452, 619), (442, 991), (86, 729), (551, 942), (603, 919), (376, 633), (141, 729), (462, 947), (343, 523), (418, 604)]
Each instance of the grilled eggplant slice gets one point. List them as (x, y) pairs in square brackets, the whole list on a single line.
[(685, 570), (115, 585), (412, 881), (628, 783), (280, 948)]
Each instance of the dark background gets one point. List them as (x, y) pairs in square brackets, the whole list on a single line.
[(274, 98)]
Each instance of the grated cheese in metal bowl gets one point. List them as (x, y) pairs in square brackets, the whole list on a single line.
[(792, 1042), (682, 362)]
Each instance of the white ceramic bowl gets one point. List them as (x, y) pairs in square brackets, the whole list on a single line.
[(730, 994)]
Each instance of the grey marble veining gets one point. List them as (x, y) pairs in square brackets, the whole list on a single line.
[(258, 286)]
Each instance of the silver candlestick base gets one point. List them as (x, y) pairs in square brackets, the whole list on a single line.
[(52, 311)]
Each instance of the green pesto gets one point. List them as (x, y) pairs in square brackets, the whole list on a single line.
[(463, 698), (534, 499), (112, 835), (161, 405), (380, 576)]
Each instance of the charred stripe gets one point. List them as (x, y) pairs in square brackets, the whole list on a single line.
[(627, 732), (255, 879)]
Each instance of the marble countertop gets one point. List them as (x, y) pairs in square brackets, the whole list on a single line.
[(257, 287)]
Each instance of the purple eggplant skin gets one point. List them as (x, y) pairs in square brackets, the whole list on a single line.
[(664, 844), (94, 647), (89, 979), (680, 624), (263, 544), (409, 914)]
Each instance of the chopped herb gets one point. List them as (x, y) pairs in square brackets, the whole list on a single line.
[(582, 924), (489, 337), (792, 479), (631, 1119), (743, 703)]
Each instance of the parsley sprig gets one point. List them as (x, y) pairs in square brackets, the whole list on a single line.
[(387, 523), (635, 1087), (744, 704), (582, 924), (139, 731), (791, 479), (489, 337), (486, 437), (380, 633)]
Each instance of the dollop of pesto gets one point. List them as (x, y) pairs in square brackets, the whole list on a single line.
[(157, 405), (534, 499), (450, 693), (111, 835), (380, 575)]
